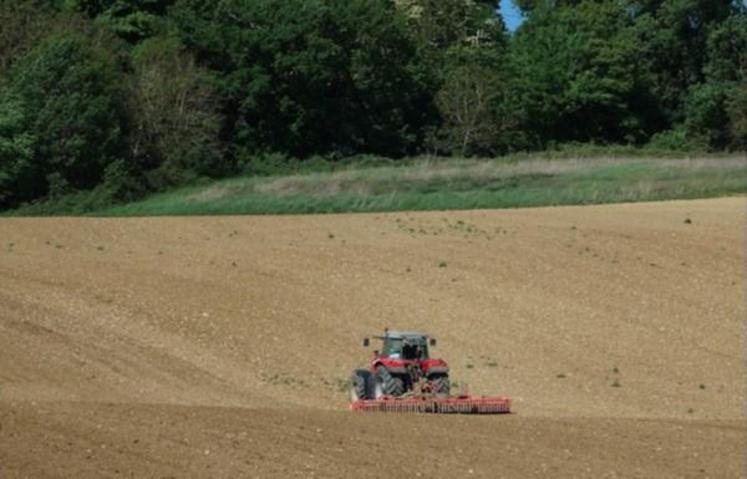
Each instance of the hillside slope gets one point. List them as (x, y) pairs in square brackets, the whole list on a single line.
[(219, 346)]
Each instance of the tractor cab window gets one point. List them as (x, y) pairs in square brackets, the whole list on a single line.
[(398, 348), (392, 347), (415, 350), (410, 351)]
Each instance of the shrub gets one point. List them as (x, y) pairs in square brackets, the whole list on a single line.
[(706, 115), (737, 111), (676, 139), (17, 168), (265, 164)]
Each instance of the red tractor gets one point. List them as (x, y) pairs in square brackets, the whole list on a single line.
[(403, 365)]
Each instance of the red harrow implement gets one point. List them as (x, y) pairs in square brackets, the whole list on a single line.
[(404, 378), (437, 405)]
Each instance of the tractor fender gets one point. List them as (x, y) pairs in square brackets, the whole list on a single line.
[(392, 368), (437, 370)]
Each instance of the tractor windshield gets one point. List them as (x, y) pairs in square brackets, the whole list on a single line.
[(400, 348), (392, 347)]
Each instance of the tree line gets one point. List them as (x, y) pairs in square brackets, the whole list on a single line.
[(105, 100)]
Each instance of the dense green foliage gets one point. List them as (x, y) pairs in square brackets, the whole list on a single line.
[(63, 120), (576, 75), (104, 100), (310, 76)]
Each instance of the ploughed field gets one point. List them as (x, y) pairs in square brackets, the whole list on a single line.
[(221, 346)]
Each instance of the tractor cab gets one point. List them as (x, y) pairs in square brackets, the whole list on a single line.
[(403, 345), (407, 347)]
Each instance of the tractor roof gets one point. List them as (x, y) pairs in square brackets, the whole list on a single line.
[(403, 335)]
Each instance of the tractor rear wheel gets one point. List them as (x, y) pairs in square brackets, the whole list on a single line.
[(441, 385), (360, 385), (388, 384)]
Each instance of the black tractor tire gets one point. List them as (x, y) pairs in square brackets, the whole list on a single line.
[(389, 384), (361, 385), (441, 384)]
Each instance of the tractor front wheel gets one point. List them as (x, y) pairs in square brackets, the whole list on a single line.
[(388, 384)]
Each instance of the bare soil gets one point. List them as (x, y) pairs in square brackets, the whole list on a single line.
[(220, 346)]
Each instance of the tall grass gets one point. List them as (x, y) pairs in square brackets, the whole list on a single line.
[(428, 184)]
